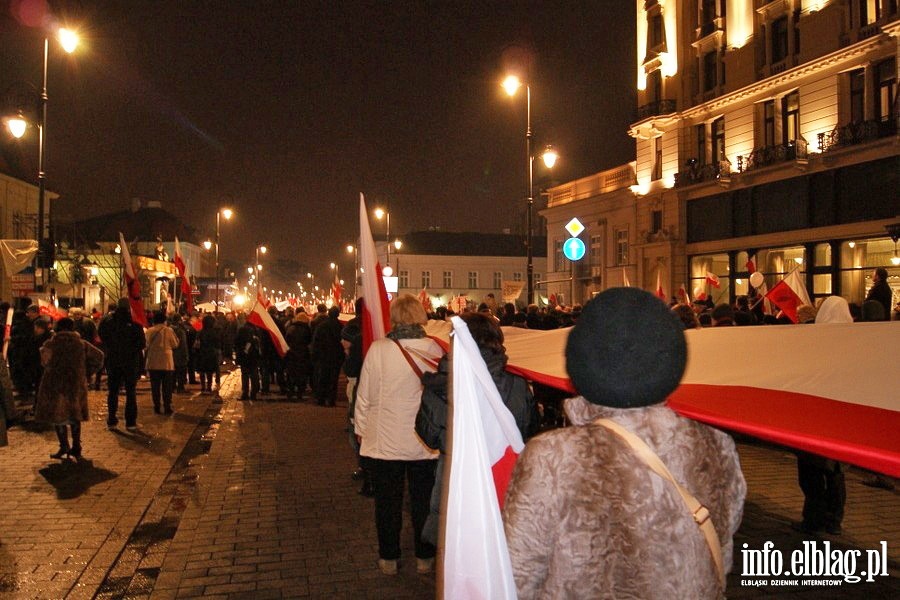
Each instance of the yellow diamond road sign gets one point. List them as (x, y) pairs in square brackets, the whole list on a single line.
[(574, 227)]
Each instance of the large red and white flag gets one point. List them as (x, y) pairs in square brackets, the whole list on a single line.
[(713, 280), (133, 285), (376, 308), (788, 294), (185, 278), (260, 317), (660, 292), (484, 445)]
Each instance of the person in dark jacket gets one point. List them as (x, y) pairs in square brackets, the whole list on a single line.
[(297, 363), (328, 354), (247, 351), (181, 354), (209, 354), (352, 340), (881, 291), (124, 342), (431, 420)]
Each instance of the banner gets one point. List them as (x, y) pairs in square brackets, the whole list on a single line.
[(17, 254), (511, 290)]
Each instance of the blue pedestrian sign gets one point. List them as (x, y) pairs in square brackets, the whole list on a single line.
[(573, 249)]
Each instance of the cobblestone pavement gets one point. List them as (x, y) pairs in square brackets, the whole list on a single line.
[(237, 499)]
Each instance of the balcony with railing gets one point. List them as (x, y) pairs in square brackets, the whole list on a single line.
[(856, 133), (772, 155), (694, 173), (656, 108)]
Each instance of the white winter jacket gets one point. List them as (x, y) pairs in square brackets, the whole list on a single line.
[(388, 398)]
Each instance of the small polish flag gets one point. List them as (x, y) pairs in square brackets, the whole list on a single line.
[(788, 294), (713, 279), (260, 317), (133, 285), (660, 292)]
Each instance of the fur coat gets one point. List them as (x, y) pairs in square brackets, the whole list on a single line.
[(67, 360), (586, 518)]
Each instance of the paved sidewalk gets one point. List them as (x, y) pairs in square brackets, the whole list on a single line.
[(64, 524), (254, 500)]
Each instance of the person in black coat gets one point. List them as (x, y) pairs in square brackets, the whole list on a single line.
[(881, 291), (247, 352), (328, 355), (431, 420), (297, 363), (124, 342)]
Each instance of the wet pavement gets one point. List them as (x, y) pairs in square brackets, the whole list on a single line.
[(233, 499)]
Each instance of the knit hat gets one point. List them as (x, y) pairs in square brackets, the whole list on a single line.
[(627, 350)]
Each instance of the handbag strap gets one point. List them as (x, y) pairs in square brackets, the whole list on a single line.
[(408, 358), (699, 512)]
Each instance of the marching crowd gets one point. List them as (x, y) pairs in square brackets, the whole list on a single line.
[(398, 420)]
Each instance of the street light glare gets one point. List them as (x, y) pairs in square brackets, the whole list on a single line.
[(550, 156), (68, 39), (259, 267), (16, 126), (263, 249), (227, 213), (349, 248), (250, 270), (398, 244), (379, 213), (207, 244), (332, 265), (511, 84)]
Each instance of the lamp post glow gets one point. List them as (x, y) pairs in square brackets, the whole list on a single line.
[(383, 214), (227, 213), (69, 41), (512, 84), (260, 249)]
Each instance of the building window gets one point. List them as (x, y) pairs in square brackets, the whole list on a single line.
[(790, 118), (885, 89), (426, 279), (655, 30), (718, 140), (473, 280), (403, 279), (656, 220), (537, 278), (708, 11), (448, 279), (517, 276), (558, 264), (768, 123), (710, 67), (657, 158), (857, 96), (779, 39), (621, 247), (596, 250), (654, 86), (701, 143), (498, 280)]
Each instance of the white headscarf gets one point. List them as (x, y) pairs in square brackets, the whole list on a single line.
[(834, 309)]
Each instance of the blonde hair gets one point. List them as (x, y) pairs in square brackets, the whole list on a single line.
[(407, 310)]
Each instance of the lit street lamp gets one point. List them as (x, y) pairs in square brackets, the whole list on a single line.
[(69, 41), (512, 84), (227, 213), (260, 249), (383, 214)]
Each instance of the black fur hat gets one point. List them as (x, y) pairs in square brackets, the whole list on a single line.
[(627, 350)]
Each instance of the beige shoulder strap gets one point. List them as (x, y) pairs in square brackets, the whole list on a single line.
[(698, 511)]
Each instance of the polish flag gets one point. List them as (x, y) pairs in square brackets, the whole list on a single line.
[(260, 317), (625, 282), (336, 290), (185, 278), (376, 307), (660, 292), (425, 300), (788, 294), (683, 296), (134, 286), (484, 445), (48, 309), (713, 280)]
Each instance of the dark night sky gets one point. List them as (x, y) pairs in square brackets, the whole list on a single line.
[(287, 110)]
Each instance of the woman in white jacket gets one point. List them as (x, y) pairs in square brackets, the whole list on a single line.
[(161, 340), (388, 398)]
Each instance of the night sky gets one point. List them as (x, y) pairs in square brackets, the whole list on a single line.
[(287, 110)]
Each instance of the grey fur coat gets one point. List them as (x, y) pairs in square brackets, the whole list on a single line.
[(585, 518)]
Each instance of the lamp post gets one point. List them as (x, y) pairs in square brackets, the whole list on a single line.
[(68, 39), (227, 213), (380, 213), (352, 249), (260, 249), (512, 84)]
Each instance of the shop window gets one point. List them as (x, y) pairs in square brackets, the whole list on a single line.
[(858, 258), (709, 263)]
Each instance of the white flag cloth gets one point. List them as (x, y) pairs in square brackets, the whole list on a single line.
[(17, 254), (483, 435), (260, 317), (376, 309)]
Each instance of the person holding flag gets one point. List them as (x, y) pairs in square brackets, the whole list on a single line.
[(606, 507)]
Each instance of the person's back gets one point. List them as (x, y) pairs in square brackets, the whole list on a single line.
[(123, 340)]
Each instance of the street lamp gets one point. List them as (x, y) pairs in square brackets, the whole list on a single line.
[(227, 213), (68, 39), (383, 214), (260, 249), (352, 249), (512, 84)]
